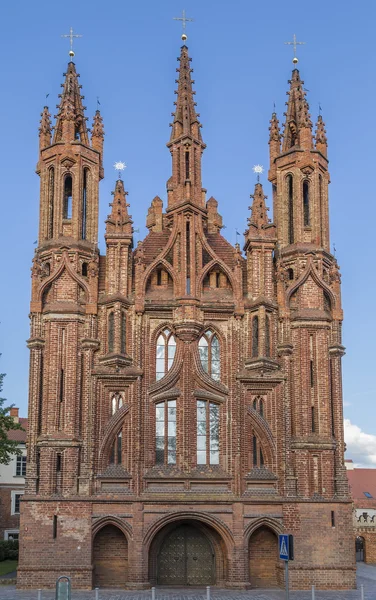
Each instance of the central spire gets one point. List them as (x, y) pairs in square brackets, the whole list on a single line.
[(71, 120), (298, 125), (186, 145)]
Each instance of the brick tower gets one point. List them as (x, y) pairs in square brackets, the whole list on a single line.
[(185, 398)]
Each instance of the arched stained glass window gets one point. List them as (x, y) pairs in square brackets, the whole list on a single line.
[(166, 348), (209, 352)]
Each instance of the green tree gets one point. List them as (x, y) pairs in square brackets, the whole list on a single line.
[(8, 448)]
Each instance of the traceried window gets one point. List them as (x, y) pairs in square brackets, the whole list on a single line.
[(116, 450), (208, 348), (207, 433), (165, 433), (116, 402), (166, 348)]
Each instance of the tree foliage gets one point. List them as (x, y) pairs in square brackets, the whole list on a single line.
[(8, 448)]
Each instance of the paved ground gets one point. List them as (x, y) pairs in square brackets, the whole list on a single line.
[(366, 576)]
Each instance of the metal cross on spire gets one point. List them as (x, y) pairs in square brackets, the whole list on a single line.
[(71, 35), (184, 21), (294, 44)]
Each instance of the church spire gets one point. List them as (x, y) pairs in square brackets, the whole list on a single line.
[(70, 120), (186, 120), (298, 124), (321, 141), (186, 145)]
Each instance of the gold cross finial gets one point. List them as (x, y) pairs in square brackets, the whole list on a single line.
[(184, 20), (294, 43), (71, 35)]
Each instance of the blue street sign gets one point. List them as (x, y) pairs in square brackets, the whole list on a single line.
[(283, 544)]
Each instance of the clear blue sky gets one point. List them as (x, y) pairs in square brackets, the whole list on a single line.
[(127, 57)]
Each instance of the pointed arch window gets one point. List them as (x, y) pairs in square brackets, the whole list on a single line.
[(117, 450), (306, 207), (207, 433), (116, 402), (67, 199), (209, 351), (166, 348), (258, 404), (111, 332), (165, 433), (255, 336)]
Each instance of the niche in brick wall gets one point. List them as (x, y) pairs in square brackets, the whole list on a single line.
[(160, 285)]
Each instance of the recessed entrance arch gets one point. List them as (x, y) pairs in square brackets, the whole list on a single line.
[(110, 558), (187, 553), (263, 558)]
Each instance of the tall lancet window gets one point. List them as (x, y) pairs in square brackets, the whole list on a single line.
[(209, 352), (67, 199), (290, 204), (255, 336), (207, 433), (166, 348), (306, 207)]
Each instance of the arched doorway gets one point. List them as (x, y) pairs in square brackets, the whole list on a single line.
[(110, 558), (187, 553), (263, 558), (360, 547)]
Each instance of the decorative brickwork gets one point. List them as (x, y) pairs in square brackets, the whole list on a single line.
[(184, 394)]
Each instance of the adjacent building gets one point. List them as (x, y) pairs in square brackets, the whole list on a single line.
[(12, 482), (363, 491), (185, 401)]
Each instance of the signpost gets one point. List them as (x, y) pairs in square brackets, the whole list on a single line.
[(286, 553)]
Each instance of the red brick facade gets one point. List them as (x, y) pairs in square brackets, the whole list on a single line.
[(185, 398)]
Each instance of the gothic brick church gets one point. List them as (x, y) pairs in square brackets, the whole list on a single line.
[(185, 398)]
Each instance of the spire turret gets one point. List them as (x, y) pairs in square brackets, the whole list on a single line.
[(119, 221), (70, 120), (45, 129), (259, 223), (186, 145), (274, 138), (321, 141), (298, 124)]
